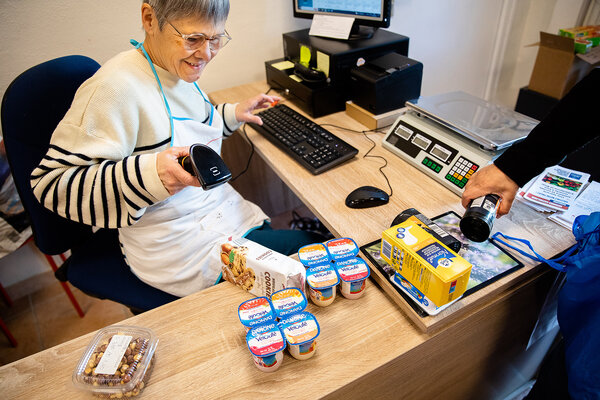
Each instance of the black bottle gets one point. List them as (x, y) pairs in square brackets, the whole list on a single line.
[(479, 217)]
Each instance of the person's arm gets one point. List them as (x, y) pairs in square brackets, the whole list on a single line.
[(234, 115), (230, 123), (491, 180), (570, 125), (244, 110), (89, 173), (566, 128)]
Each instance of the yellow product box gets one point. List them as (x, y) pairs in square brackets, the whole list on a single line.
[(439, 273)]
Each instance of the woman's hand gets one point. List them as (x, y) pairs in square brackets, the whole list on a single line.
[(171, 173), (491, 180), (244, 109)]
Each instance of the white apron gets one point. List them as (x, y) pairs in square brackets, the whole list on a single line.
[(175, 245)]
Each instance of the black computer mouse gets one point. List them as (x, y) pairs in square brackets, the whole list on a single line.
[(367, 196)]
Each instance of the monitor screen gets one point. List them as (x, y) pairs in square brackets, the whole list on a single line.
[(366, 12)]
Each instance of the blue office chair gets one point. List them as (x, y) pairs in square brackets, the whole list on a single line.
[(32, 107)]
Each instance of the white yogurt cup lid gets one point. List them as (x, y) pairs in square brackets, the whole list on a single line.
[(300, 328), (265, 340), (342, 248), (314, 254), (256, 311), (353, 269), (321, 277), (288, 301)]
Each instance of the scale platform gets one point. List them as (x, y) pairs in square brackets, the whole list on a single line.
[(452, 135)]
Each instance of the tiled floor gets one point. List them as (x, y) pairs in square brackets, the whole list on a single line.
[(42, 315)]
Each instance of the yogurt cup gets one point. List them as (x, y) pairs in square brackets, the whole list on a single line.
[(288, 301), (353, 275), (342, 248), (266, 344), (301, 331), (314, 254), (255, 312), (322, 282)]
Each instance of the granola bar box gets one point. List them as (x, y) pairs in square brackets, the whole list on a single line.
[(259, 270)]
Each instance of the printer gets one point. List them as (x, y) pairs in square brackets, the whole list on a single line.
[(386, 83), (335, 58)]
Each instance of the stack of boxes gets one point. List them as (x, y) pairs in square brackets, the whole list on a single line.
[(562, 61)]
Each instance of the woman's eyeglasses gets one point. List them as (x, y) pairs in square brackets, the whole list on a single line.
[(195, 41)]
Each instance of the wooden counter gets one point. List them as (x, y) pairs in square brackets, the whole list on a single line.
[(325, 194), (368, 348)]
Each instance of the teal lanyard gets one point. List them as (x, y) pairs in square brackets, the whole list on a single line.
[(212, 108), (139, 45)]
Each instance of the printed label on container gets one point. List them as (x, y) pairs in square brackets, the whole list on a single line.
[(265, 340), (113, 354), (313, 254), (437, 256), (288, 301), (306, 348), (255, 310), (425, 304), (342, 248), (352, 270), (300, 328), (410, 289), (490, 205), (478, 201), (322, 276), (358, 286)]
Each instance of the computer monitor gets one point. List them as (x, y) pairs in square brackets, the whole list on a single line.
[(372, 13)]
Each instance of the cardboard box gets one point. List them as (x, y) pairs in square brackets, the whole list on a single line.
[(431, 267), (371, 120), (259, 270), (557, 68), (534, 104)]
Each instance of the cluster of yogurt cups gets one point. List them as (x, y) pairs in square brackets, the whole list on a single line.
[(331, 264), (272, 323)]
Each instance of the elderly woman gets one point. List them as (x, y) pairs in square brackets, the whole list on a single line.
[(112, 160)]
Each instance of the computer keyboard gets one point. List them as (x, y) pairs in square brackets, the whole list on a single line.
[(314, 147)]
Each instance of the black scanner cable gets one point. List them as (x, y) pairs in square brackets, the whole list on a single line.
[(373, 145), (364, 133), (251, 148), (249, 157)]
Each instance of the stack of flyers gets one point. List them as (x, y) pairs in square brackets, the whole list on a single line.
[(562, 192), (555, 189), (586, 203)]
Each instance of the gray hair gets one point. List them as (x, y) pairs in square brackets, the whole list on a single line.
[(214, 11)]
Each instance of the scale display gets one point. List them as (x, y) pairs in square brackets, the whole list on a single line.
[(466, 134)]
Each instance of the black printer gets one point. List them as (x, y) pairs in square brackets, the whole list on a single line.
[(335, 58), (385, 83)]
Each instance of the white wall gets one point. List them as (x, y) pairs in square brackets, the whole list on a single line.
[(453, 38), (456, 40), (34, 31)]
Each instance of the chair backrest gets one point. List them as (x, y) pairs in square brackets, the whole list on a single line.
[(32, 107)]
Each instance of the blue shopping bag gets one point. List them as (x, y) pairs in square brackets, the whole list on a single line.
[(578, 304)]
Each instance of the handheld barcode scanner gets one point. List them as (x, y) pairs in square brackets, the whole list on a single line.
[(206, 164)]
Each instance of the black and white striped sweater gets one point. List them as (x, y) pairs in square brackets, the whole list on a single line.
[(100, 168)]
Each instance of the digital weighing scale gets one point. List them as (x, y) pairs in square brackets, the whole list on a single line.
[(452, 135)]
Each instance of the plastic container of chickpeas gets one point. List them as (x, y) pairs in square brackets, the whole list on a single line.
[(117, 363)]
